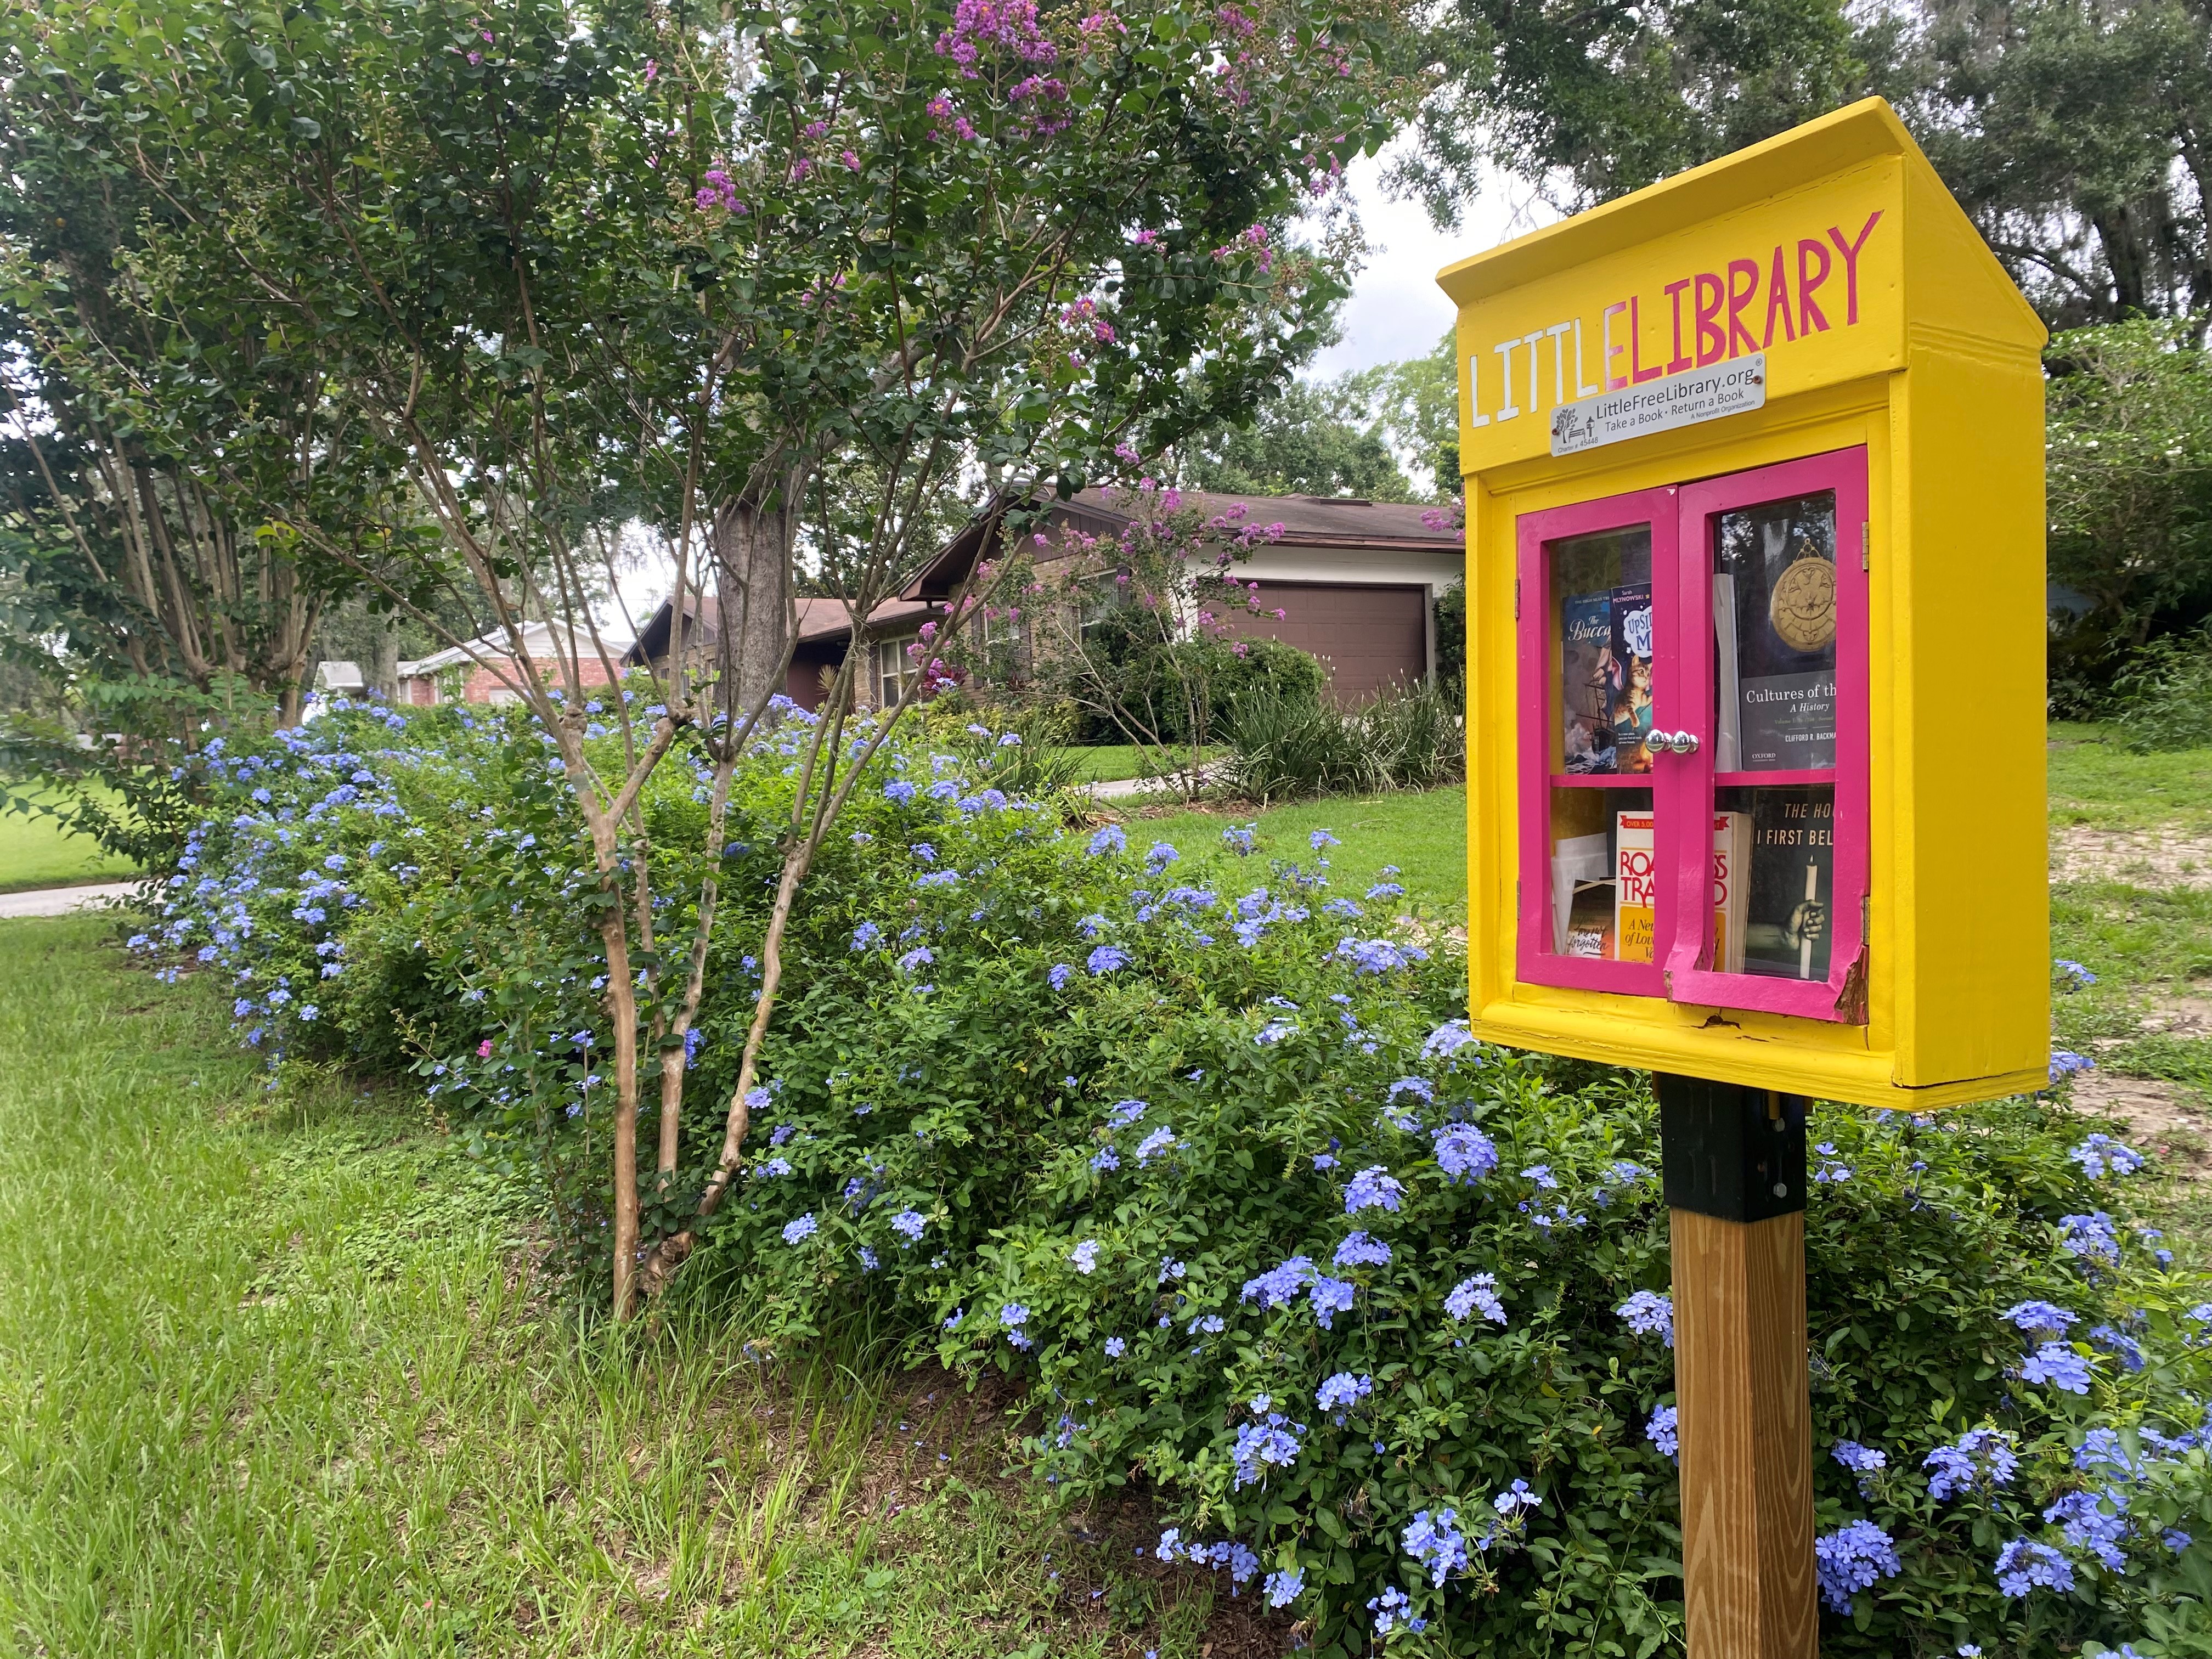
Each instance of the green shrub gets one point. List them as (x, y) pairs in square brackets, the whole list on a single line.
[(1204, 1156), (1284, 747), (2163, 699)]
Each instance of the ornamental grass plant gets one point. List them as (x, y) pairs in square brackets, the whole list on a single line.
[(1199, 1151)]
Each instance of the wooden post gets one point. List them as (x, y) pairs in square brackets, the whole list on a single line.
[(1736, 1190)]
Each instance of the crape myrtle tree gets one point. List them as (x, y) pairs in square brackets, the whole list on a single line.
[(753, 265), (145, 460)]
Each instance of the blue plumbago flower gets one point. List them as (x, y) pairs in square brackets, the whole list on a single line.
[(1386, 890), (2093, 1236), (1358, 1250), (775, 1167), (1206, 1325), (2075, 971), (898, 790), (1322, 838), (1327, 1161), (1983, 1457), (1106, 959), (1111, 839), (1372, 1187), (1284, 1588), (2112, 1339), (1376, 956), (1160, 857), (2095, 1521), (1169, 1268), (1012, 1316), (1447, 1039), (1342, 1390), (1085, 1257), (923, 853), (1060, 974), (805, 1227), (1343, 908), (2058, 1364), (1280, 1285), (1660, 1430), (1420, 1087), (1435, 1543), (1393, 1609), (1092, 925), (921, 957), (1155, 1144), (1125, 1111), (1272, 1443), (1649, 1314), (2041, 1316), (1542, 1176), (868, 1262), (2100, 1155), (1464, 1153), (1862, 1461), (1830, 1170), (938, 878), (2023, 1565), (1329, 1296), (1115, 1347), (908, 1224), (1476, 1295), (1237, 838), (1107, 1159), (1274, 1032), (2103, 1452), (692, 1041), (2063, 1060), (1853, 1558), (783, 1131)]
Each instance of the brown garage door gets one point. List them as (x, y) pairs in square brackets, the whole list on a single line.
[(1367, 637)]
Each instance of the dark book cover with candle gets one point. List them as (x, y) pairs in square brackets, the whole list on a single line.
[(1788, 924)]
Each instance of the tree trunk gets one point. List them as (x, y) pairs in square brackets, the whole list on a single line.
[(752, 579), (383, 675)]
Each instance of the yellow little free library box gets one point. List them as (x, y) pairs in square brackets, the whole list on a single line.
[(1753, 470)]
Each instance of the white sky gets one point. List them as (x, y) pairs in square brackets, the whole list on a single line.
[(1397, 310)]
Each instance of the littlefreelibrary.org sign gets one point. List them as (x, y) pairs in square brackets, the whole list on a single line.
[(1680, 400)]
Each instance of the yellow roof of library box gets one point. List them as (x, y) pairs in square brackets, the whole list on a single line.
[(1833, 249)]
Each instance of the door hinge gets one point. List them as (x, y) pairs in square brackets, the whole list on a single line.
[(1517, 599), (1866, 545), (1516, 898)]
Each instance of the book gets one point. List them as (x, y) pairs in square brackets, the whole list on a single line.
[(1727, 707), (1635, 887), (1585, 681), (1577, 861), (1630, 676), (1779, 648), (1590, 921), (1786, 921), (1731, 857)]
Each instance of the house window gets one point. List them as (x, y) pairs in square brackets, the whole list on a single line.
[(894, 669)]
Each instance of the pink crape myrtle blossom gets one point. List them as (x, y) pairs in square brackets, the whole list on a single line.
[(1012, 24), (719, 191)]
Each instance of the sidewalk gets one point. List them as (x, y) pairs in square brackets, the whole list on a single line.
[(60, 901)]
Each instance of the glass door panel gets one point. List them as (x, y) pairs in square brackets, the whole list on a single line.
[(1782, 706), (1596, 599)]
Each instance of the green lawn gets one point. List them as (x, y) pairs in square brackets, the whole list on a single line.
[(276, 1379), (1109, 763), (1423, 833), (35, 853), (2095, 782)]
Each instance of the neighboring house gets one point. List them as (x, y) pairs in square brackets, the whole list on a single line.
[(465, 673), (342, 677), (1356, 580), (825, 634)]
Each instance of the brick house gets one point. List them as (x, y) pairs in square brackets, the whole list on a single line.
[(466, 673), (1356, 580)]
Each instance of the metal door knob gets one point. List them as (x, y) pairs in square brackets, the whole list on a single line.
[(1672, 742)]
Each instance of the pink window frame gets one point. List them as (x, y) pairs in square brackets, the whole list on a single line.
[(1689, 981), (1537, 964)]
